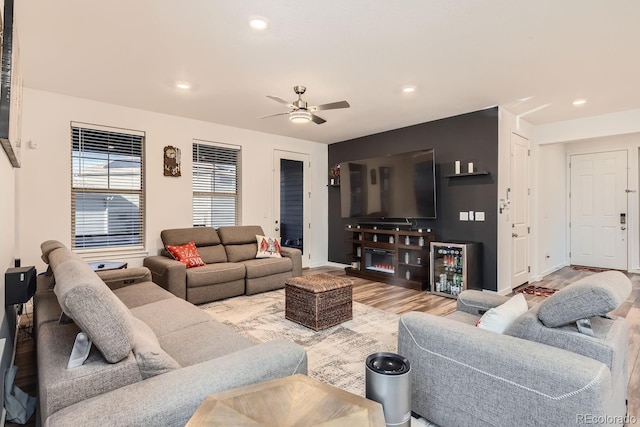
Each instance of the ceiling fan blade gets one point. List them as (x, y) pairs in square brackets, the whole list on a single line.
[(280, 100), (273, 115), (317, 119), (330, 106)]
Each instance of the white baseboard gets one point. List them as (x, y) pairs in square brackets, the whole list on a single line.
[(548, 271)]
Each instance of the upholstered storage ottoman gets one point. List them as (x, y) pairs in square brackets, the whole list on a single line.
[(318, 301)]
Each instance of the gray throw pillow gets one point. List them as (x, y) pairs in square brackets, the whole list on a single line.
[(595, 295)]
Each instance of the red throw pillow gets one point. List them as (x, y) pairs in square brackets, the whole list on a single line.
[(187, 254)]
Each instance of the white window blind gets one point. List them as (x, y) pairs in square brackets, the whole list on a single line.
[(107, 188), (215, 185)]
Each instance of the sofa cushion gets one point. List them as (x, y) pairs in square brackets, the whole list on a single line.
[(238, 253), (261, 267), (594, 295), (187, 254), (497, 319), (213, 254), (239, 234), (151, 358), (162, 319), (268, 247), (94, 308), (212, 274), (141, 293), (203, 236), (212, 339)]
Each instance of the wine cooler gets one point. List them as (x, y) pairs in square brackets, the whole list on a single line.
[(455, 266)]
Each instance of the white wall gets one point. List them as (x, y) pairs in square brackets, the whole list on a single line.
[(508, 124), (550, 201), (631, 144), (7, 249), (624, 122), (555, 142), (44, 180)]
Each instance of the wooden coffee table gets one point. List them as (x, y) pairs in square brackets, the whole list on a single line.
[(291, 401)]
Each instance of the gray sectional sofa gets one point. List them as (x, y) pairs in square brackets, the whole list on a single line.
[(543, 371), (154, 358), (231, 268)]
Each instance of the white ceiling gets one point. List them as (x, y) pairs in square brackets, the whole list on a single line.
[(463, 55)]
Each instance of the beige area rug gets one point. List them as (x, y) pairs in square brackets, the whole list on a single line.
[(336, 355)]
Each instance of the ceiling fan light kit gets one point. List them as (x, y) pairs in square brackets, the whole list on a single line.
[(300, 116), (300, 112)]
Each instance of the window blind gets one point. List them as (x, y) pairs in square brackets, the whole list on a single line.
[(107, 188), (215, 185)]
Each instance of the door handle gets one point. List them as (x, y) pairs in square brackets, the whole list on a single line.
[(277, 229), (623, 228), (514, 234)]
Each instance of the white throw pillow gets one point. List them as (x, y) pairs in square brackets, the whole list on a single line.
[(499, 318), (268, 247)]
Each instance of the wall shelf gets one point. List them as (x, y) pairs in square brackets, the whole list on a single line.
[(460, 175)]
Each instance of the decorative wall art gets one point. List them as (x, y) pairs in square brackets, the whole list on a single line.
[(171, 161)]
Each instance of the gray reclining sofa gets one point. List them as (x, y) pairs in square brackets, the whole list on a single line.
[(231, 268), (542, 371), (154, 358)]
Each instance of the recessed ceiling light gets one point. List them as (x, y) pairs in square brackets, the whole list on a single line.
[(258, 23), (408, 89), (579, 102), (183, 85)]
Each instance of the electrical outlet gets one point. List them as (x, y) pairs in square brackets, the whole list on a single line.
[(464, 216)]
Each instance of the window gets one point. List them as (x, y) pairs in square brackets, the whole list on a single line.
[(107, 188), (215, 184)]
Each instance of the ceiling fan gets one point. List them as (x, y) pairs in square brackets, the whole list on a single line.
[(300, 112)]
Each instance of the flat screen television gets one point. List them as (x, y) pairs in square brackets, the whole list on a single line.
[(398, 186)]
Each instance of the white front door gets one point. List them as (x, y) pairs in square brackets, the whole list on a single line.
[(519, 198), (598, 202), (291, 201)]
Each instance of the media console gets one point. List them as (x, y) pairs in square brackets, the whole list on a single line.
[(395, 256)]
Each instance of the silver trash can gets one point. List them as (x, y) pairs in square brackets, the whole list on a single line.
[(388, 382)]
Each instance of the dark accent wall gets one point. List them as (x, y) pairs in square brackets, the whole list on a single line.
[(471, 137)]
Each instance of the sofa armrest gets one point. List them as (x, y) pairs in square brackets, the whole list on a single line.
[(478, 302), (170, 399), (296, 258), (124, 277), (169, 274), (498, 379)]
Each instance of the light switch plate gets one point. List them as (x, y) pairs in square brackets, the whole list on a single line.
[(464, 216), (479, 216)]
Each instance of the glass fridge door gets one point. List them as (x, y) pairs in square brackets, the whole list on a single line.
[(448, 276)]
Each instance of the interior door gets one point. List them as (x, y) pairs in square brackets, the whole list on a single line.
[(291, 201), (598, 203), (519, 199)]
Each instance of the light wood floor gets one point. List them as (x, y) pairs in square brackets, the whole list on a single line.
[(400, 300)]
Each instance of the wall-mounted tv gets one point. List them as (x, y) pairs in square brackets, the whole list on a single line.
[(397, 186)]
